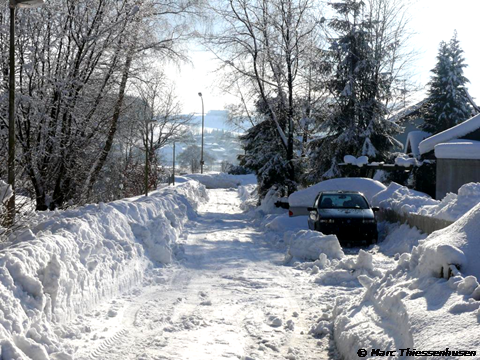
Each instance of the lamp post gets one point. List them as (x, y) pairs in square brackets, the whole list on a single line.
[(11, 104), (203, 123)]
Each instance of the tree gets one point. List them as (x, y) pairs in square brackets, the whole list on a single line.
[(367, 63), (263, 45), (447, 103), (190, 158), (76, 60)]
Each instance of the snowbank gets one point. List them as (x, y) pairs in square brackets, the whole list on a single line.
[(74, 259), (458, 149), (399, 239), (306, 197), (284, 222), (454, 206), (309, 245), (455, 132), (402, 199), (412, 305), (222, 180), (457, 244)]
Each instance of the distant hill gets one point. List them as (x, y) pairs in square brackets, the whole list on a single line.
[(219, 140)]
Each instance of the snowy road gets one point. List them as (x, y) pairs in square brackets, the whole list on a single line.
[(230, 298)]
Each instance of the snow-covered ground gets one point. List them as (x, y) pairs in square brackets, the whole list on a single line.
[(176, 276)]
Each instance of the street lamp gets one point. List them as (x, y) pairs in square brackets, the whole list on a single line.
[(203, 123), (11, 104), (173, 173)]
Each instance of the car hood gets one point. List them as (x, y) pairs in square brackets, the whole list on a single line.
[(346, 213)]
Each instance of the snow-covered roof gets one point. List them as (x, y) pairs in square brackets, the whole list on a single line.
[(406, 111), (414, 138), (458, 149), (455, 132)]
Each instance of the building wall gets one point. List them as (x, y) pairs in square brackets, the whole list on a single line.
[(453, 173)]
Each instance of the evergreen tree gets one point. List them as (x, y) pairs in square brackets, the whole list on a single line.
[(358, 125), (448, 103), (265, 154)]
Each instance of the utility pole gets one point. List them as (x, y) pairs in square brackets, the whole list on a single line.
[(173, 172), (203, 124)]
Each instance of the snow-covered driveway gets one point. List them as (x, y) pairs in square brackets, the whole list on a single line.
[(230, 298)]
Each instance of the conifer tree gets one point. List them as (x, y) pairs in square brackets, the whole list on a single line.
[(448, 103)]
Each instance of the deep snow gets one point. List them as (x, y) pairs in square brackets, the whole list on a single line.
[(231, 284)]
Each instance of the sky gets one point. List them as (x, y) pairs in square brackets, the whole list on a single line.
[(432, 21)]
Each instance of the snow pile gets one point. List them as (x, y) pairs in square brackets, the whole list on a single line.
[(248, 196), (412, 305), (367, 187), (352, 160), (268, 203), (457, 244), (458, 149), (347, 271), (284, 222), (454, 206), (222, 180), (402, 199), (455, 132), (309, 245), (399, 239), (74, 259), (405, 161)]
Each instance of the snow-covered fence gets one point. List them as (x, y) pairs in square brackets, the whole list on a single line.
[(426, 224)]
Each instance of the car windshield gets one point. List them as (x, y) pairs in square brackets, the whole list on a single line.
[(342, 201)]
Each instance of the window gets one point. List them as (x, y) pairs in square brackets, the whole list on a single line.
[(342, 201)]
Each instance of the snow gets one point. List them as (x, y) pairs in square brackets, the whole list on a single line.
[(399, 238), (405, 161), (352, 160), (309, 245), (457, 244), (70, 262), (227, 289), (414, 138), (454, 206), (402, 199), (458, 149), (5, 192), (455, 132), (306, 197), (222, 180)]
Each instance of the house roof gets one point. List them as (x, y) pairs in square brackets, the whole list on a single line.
[(455, 132), (458, 149), (413, 140)]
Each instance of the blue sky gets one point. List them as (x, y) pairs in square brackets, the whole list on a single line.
[(432, 21)]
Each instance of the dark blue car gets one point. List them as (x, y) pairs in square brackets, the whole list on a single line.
[(345, 214)]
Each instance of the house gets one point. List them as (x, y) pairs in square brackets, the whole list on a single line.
[(457, 153)]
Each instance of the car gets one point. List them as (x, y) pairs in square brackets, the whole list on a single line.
[(346, 214)]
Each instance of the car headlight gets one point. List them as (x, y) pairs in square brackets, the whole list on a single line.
[(368, 221), (327, 221)]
